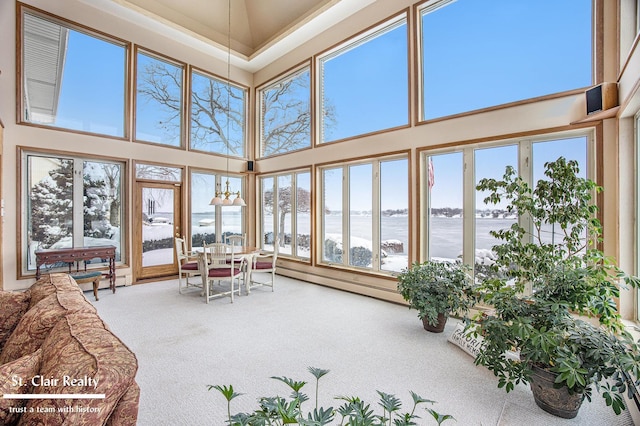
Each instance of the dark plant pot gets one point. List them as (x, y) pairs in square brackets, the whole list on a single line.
[(439, 327), (556, 401)]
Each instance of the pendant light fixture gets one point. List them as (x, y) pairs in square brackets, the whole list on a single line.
[(218, 199)]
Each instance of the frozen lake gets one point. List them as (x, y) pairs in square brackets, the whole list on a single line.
[(446, 237)]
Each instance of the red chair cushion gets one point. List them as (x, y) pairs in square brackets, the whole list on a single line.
[(222, 272), (189, 266), (263, 265)]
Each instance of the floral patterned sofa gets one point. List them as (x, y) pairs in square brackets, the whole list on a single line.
[(52, 341)]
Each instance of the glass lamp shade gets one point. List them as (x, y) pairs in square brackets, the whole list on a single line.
[(239, 202), (227, 202), (216, 201)]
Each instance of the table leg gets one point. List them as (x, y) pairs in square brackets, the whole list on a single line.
[(247, 279), (112, 274)]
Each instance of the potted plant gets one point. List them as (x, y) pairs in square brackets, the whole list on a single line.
[(553, 294), (437, 289), (277, 410)]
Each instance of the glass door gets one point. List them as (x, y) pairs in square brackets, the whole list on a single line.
[(158, 210)]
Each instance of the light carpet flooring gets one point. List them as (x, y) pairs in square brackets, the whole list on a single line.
[(183, 345)]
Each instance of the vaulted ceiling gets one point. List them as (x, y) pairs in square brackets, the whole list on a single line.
[(259, 30)]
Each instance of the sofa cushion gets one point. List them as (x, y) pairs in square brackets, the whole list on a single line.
[(126, 412), (81, 347), (12, 307), (50, 284), (35, 324), (17, 377)]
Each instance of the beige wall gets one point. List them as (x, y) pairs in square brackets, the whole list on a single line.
[(543, 116)]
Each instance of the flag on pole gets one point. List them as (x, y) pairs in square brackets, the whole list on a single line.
[(431, 181)]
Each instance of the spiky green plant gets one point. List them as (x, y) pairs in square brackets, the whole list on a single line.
[(279, 411)]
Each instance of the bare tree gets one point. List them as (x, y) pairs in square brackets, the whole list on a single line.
[(286, 115), (217, 108), (217, 116), (161, 82), (218, 112)]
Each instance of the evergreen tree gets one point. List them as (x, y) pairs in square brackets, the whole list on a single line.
[(96, 208), (52, 206)]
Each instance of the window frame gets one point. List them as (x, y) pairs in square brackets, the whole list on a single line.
[(428, 6), (188, 111), (376, 213), (220, 178), (260, 108), (22, 251), (353, 42), (139, 50), (294, 175), (23, 9), (524, 168)]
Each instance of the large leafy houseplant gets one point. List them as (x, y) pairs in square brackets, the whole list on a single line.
[(553, 292), (437, 289)]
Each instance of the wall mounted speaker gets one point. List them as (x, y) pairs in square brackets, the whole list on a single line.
[(602, 97), (249, 166)]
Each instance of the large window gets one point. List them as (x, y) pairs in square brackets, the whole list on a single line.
[(286, 213), (71, 202), (210, 224), (203, 215), (491, 163), (445, 236), (158, 100), (231, 217), (285, 114), (365, 215), (459, 222), (218, 116), (394, 215), (332, 214), (477, 54), (364, 83), (64, 71)]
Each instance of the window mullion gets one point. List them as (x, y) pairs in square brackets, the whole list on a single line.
[(218, 211), (376, 246), (346, 217), (525, 170), (276, 212), (469, 208), (78, 203), (425, 201), (294, 211)]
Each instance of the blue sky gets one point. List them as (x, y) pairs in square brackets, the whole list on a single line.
[(477, 54), (484, 53), (491, 163)]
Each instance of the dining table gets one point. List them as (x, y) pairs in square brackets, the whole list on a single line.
[(248, 253)]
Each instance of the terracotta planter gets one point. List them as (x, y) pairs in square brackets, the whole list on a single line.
[(556, 401), (439, 327)]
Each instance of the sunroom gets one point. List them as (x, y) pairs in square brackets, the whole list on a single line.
[(355, 131)]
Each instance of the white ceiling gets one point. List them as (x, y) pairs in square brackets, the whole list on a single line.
[(261, 30)]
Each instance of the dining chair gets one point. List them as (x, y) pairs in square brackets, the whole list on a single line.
[(236, 240), (265, 264), (187, 264), (214, 267)]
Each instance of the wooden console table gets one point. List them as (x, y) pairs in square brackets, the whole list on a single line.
[(77, 254)]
